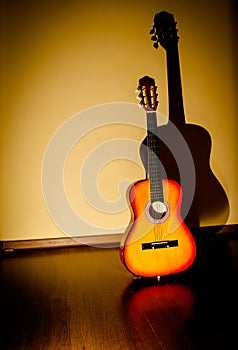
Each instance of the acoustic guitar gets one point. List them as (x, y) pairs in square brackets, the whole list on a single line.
[(157, 242)]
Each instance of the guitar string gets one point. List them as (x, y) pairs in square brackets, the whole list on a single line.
[(151, 165), (153, 158), (149, 151)]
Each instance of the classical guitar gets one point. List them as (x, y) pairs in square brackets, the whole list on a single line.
[(207, 202), (157, 242)]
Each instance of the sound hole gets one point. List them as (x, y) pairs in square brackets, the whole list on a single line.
[(157, 212)]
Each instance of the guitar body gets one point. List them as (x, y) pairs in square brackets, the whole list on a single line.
[(156, 246)]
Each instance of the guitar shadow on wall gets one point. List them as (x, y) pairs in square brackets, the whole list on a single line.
[(210, 202)]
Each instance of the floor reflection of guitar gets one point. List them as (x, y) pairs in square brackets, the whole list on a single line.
[(161, 312), (157, 242), (210, 202)]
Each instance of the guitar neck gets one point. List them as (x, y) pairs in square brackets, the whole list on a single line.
[(154, 167), (176, 108)]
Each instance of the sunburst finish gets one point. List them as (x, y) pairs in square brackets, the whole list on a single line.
[(157, 242), (162, 261)]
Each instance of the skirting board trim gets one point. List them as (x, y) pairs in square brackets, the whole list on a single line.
[(107, 241)]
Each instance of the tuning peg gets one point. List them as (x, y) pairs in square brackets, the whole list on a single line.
[(152, 30), (140, 96), (138, 89), (154, 38)]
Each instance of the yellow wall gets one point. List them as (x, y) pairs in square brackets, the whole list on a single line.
[(61, 61)]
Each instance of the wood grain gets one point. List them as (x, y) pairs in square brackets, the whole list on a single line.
[(84, 298)]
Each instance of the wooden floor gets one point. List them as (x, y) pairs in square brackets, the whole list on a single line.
[(83, 298)]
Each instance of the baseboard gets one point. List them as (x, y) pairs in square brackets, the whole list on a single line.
[(107, 241)]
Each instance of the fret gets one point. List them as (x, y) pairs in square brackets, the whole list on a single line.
[(148, 97), (156, 188)]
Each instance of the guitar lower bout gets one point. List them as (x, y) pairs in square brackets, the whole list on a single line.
[(157, 242)]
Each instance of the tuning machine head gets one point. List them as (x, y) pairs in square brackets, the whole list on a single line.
[(140, 95), (147, 93)]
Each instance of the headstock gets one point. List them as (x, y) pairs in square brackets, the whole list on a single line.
[(164, 30), (147, 95)]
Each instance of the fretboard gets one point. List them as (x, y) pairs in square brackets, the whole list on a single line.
[(154, 167)]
